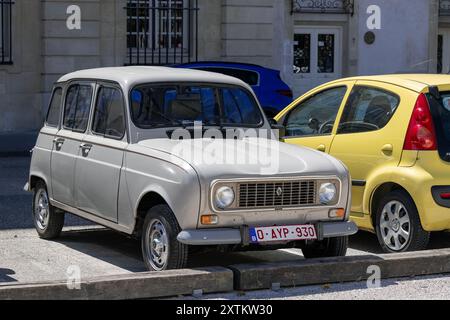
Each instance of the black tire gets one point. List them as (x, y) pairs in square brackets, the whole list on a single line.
[(418, 237), (177, 253), (331, 247), (50, 227)]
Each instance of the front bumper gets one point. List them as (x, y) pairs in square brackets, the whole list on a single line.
[(229, 236)]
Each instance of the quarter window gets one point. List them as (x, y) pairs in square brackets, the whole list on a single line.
[(109, 116), (54, 110), (78, 104), (315, 116), (249, 77), (368, 109)]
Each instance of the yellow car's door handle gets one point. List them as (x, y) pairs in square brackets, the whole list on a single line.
[(388, 149), (322, 148)]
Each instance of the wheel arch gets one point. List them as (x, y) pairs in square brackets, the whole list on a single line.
[(379, 192), (35, 179), (148, 200)]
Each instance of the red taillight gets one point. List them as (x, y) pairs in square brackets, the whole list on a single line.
[(286, 93), (421, 134), (445, 196)]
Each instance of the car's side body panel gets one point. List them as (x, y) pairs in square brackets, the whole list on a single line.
[(372, 165)]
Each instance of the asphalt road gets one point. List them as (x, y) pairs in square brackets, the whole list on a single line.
[(97, 251)]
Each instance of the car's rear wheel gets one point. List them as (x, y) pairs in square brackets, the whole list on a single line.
[(398, 224), (331, 247), (48, 220), (160, 247)]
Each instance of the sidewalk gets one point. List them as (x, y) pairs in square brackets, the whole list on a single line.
[(17, 144)]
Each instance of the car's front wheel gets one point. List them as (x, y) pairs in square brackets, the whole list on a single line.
[(160, 247), (398, 224), (48, 220), (331, 247)]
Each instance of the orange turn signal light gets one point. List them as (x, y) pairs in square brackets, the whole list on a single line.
[(209, 219), (337, 213)]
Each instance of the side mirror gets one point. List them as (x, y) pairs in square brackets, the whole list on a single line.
[(280, 130)]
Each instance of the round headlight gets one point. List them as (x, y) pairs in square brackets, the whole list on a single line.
[(327, 193), (224, 197)]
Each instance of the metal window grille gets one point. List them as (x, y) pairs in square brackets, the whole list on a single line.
[(6, 31), (162, 32), (444, 7), (323, 6)]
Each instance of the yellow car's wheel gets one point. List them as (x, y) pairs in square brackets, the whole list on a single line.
[(398, 224)]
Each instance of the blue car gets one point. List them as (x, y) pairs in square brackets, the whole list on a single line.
[(273, 94)]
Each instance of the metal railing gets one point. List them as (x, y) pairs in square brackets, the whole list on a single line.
[(444, 7), (6, 31), (323, 6), (162, 32)]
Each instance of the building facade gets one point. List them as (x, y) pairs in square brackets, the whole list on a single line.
[(309, 41)]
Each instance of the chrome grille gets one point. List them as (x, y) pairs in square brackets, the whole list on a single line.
[(277, 194)]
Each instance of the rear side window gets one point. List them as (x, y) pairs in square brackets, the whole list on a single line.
[(78, 105), (249, 77), (368, 109), (54, 110), (109, 115), (440, 111)]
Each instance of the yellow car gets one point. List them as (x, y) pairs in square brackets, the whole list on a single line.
[(393, 133)]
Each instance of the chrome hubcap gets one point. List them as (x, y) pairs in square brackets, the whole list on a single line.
[(41, 211), (157, 245), (395, 225)]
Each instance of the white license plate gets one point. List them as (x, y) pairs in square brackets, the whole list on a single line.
[(283, 233)]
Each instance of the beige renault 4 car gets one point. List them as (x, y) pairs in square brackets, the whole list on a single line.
[(182, 159)]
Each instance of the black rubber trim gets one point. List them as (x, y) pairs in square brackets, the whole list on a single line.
[(437, 191), (359, 183)]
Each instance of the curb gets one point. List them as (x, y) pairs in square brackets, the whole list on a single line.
[(343, 269), (241, 277), (127, 287)]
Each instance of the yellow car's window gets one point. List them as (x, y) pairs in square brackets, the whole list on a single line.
[(368, 109), (316, 115)]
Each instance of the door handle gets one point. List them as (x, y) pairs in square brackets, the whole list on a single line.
[(58, 142), (322, 148), (387, 149), (85, 148)]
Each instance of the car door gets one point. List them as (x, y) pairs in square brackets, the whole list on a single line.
[(77, 104), (98, 168), (311, 121), (364, 140)]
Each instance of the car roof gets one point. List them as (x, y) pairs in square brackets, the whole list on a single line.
[(248, 66), (134, 75), (415, 82)]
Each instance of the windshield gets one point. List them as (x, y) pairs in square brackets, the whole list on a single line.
[(156, 106)]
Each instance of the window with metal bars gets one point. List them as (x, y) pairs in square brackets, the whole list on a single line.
[(6, 31), (162, 32)]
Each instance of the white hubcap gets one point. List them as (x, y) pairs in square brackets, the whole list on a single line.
[(157, 242), (41, 210), (395, 226)]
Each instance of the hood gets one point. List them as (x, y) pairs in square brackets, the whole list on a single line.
[(247, 158)]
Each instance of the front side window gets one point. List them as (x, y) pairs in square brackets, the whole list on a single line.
[(316, 115), (109, 113), (54, 110), (368, 109), (155, 106), (77, 107)]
